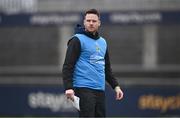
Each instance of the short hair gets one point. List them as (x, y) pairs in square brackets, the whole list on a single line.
[(92, 11)]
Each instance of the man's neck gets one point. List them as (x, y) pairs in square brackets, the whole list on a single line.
[(93, 35)]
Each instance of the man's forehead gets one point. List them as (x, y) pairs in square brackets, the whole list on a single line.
[(91, 16)]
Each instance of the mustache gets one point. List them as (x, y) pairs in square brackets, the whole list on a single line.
[(91, 26)]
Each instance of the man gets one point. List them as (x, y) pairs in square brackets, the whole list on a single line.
[(87, 67)]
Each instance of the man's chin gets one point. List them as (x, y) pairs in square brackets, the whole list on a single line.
[(92, 31)]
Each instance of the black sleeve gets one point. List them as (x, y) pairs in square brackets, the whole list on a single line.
[(108, 72), (72, 55)]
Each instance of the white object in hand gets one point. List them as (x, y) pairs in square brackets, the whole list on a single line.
[(75, 102)]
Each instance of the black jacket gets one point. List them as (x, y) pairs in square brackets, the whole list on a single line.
[(72, 55)]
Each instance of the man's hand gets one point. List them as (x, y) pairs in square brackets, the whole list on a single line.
[(119, 93), (70, 94)]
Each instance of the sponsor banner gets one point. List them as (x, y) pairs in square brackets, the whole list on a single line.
[(146, 101), (122, 18), (39, 19), (139, 101), (34, 101)]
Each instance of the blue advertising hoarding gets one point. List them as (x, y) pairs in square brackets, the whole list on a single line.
[(139, 101), (146, 101), (34, 101), (116, 17)]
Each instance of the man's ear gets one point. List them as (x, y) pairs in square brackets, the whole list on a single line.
[(99, 23), (84, 22)]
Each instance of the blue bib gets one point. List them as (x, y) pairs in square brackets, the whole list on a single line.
[(90, 68)]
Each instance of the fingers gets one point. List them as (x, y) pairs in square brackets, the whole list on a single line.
[(119, 93), (70, 94)]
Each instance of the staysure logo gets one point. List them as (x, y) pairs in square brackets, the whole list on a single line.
[(44, 19), (136, 17), (55, 102)]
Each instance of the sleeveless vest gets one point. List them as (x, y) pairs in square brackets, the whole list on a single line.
[(90, 68)]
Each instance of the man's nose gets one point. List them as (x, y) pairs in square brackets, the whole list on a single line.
[(91, 22)]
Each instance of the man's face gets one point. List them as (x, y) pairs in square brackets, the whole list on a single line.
[(91, 22)]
